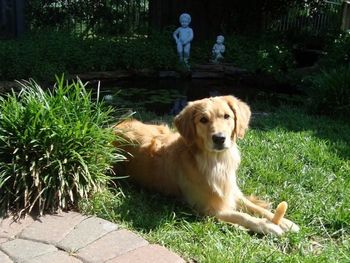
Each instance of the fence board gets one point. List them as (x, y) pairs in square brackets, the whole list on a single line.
[(300, 18)]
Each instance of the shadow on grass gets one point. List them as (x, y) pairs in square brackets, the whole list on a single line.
[(139, 209)]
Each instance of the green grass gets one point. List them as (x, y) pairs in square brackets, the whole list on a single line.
[(287, 155)]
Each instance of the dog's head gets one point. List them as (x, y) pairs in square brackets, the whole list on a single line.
[(213, 124)]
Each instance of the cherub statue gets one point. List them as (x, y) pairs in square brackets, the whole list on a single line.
[(183, 36), (218, 49)]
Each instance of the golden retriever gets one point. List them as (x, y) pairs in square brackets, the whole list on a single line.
[(199, 162)]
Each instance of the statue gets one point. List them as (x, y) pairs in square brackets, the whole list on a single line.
[(218, 49), (183, 36)]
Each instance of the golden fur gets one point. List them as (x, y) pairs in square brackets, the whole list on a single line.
[(199, 162)]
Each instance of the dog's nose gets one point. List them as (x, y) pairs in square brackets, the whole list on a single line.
[(218, 138)]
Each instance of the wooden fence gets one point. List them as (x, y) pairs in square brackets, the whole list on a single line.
[(327, 17), (132, 17)]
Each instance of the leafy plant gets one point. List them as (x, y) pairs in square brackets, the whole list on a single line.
[(41, 55), (329, 92), (55, 146), (338, 52), (263, 54)]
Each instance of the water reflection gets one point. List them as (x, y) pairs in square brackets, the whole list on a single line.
[(171, 95)]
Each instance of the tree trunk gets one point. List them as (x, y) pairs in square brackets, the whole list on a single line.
[(20, 17)]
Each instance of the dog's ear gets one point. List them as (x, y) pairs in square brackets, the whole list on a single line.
[(242, 115), (184, 123)]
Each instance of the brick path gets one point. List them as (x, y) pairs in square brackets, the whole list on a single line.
[(75, 238)]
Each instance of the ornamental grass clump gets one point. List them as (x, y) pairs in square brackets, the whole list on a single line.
[(55, 147)]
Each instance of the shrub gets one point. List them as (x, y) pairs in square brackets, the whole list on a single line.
[(41, 55), (329, 92), (338, 52), (55, 148), (264, 54)]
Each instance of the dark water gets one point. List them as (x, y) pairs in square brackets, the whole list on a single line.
[(170, 95)]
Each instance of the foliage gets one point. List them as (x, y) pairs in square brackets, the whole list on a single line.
[(338, 52), (257, 54), (201, 52), (43, 54), (90, 17), (287, 155), (154, 52), (329, 92), (55, 147), (262, 54)]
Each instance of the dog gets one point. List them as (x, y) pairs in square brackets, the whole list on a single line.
[(199, 162)]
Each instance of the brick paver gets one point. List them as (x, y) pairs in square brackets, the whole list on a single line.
[(81, 240), (10, 228), (110, 246), (85, 233), (4, 258), (3, 239), (20, 249), (148, 254), (51, 229), (55, 257)]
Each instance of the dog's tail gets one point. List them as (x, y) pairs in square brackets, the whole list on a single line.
[(259, 202)]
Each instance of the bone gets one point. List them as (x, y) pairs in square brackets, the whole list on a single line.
[(280, 212)]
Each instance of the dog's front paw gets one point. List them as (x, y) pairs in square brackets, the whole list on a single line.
[(267, 227), (288, 225)]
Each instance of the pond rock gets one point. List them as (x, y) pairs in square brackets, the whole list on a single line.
[(207, 74), (118, 74), (168, 74), (8, 85)]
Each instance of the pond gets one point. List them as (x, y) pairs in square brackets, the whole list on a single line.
[(168, 96)]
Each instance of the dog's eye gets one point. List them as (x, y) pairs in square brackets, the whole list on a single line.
[(226, 116), (204, 120)]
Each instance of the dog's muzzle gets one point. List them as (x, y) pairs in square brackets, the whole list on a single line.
[(219, 141)]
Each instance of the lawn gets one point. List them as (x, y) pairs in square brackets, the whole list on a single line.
[(287, 155)]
